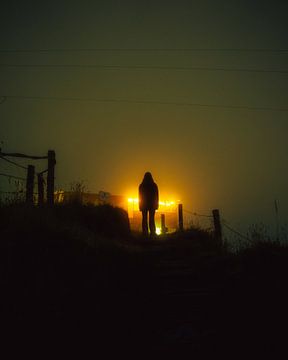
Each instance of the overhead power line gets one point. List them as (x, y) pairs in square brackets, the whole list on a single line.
[(143, 101), (83, 50), (141, 67)]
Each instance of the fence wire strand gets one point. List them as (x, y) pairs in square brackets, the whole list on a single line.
[(235, 231), (12, 176), (195, 214), (13, 162), (42, 172), (12, 192)]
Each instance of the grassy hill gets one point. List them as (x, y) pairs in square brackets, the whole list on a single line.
[(77, 272)]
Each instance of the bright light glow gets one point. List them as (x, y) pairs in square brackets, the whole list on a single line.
[(168, 208), (165, 207), (166, 203), (131, 200), (161, 203), (158, 231)]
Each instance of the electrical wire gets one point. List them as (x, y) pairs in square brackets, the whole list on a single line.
[(148, 102), (141, 67), (205, 50)]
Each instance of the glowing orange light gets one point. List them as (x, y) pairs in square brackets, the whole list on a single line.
[(161, 203), (166, 207)]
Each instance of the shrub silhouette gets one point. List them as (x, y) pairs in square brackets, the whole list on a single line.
[(32, 222)]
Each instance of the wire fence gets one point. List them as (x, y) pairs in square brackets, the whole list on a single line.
[(205, 222), (202, 221), (12, 176), (13, 163), (18, 185), (236, 232)]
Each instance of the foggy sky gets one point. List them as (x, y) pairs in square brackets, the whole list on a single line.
[(232, 159)]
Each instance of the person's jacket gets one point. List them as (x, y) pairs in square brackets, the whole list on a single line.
[(148, 196)]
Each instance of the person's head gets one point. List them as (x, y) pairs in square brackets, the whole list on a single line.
[(148, 178)]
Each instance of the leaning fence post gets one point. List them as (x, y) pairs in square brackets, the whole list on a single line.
[(51, 177), (217, 226), (40, 189), (180, 217), (30, 184)]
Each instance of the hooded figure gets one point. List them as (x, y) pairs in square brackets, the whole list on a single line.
[(148, 203)]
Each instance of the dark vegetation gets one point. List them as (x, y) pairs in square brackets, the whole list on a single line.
[(76, 272)]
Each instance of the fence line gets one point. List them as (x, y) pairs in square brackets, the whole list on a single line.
[(30, 176), (42, 172), (20, 155), (12, 162), (219, 224), (12, 176), (195, 214), (12, 192), (235, 231)]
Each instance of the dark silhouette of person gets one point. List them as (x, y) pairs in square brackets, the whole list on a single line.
[(148, 203)]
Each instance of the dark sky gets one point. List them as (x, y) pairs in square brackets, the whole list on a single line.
[(231, 158)]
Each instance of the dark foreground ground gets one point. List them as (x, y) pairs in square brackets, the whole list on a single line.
[(174, 292), (149, 296)]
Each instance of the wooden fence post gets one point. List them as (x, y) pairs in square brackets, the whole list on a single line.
[(180, 217), (30, 184), (217, 226), (40, 190), (163, 225), (51, 177)]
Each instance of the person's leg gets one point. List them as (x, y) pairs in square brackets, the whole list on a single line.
[(144, 222), (152, 225)]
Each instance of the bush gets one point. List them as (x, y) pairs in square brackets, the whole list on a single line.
[(72, 219)]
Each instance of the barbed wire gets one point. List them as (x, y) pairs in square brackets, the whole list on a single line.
[(195, 214), (223, 222), (12, 176), (16, 192), (42, 172), (235, 231), (12, 192), (13, 162), (20, 155)]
